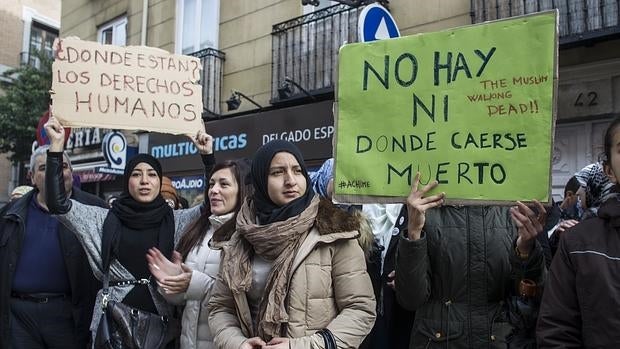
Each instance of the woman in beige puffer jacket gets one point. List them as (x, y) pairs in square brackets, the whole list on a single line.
[(293, 267)]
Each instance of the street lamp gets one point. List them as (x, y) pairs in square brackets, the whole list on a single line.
[(234, 101), (285, 90)]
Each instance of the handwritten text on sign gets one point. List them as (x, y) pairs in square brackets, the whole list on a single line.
[(140, 88), (470, 107)]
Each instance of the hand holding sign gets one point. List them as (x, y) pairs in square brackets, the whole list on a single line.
[(417, 205), (56, 134), (41, 135)]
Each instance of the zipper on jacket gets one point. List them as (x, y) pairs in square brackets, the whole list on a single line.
[(496, 315), (287, 299), (448, 304), (20, 242)]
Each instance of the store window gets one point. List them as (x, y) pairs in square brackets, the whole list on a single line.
[(113, 32), (39, 34), (198, 24), (41, 40)]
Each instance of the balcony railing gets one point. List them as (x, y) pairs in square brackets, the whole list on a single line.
[(212, 61), (579, 19), (305, 49)]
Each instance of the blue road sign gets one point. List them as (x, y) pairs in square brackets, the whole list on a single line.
[(376, 23)]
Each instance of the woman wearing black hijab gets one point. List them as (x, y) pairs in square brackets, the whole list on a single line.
[(293, 274), (121, 236)]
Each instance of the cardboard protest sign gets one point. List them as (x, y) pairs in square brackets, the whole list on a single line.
[(134, 87), (472, 107)]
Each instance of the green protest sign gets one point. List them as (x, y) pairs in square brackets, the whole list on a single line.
[(472, 107)]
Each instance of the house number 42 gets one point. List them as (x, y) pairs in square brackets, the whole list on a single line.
[(586, 99)]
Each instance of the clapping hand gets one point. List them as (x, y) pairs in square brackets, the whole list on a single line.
[(173, 276)]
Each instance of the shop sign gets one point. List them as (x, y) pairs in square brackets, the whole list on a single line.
[(114, 152), (85, 137), (309, 126), (188, 182)]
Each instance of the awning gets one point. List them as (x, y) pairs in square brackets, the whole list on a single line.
[(90, 176), (88, 172)]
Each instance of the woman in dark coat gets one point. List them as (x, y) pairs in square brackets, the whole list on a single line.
[(460, 267), (138, 220)]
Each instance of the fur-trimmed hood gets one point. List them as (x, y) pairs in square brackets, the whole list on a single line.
[(332, 220)]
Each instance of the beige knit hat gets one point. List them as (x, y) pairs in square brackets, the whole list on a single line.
[(20, 191)]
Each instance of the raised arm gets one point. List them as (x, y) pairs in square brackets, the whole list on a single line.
[(184, 218), (413, 272), (56, 197), (204, 143), (85, 221)]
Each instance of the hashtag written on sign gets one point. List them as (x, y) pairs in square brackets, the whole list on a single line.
[(355, 183)]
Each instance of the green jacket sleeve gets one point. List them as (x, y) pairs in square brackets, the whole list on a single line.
[(413, 272)]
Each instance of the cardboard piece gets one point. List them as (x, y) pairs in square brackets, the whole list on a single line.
[(471, 107), (133, 88)]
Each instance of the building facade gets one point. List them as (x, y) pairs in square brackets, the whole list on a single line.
[(269, 66), (589, 75), (27, 25)]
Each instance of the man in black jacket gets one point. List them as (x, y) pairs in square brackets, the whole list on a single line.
[(393, 325), (47, 290)]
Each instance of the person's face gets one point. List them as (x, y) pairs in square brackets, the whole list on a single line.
[(38, 174), (570, 199), (612, 166), (581, 194), (223, 190), (144, 184), (286, 181)]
